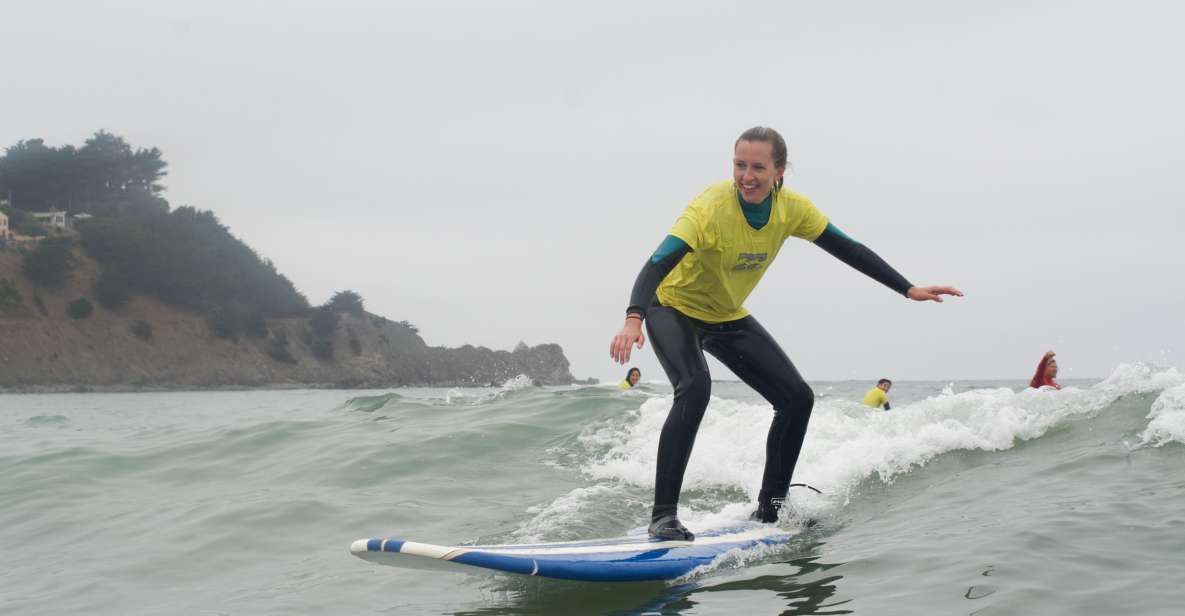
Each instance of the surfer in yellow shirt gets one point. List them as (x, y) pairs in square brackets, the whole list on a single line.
[(691, 294), (631, 378), (878, 397)]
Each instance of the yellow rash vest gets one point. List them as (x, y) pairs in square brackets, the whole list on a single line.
[(729, 256)]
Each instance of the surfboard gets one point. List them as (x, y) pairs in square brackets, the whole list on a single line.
[(624, 559)]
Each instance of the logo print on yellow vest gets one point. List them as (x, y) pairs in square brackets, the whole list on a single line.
[(747, 261)]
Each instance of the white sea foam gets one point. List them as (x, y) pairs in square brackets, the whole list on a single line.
[(736, 558), (519, 383), (1167, 418), (1141, 378), (559, 513), (846, 444)]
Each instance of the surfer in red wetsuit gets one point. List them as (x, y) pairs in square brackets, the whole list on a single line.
[(1046, 373)]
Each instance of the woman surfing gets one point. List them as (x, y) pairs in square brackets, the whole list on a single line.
[(690, 294)]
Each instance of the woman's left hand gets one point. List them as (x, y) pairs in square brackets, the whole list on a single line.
[(931, 294)]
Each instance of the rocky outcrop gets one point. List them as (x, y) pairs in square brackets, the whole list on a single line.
[(148, 345)]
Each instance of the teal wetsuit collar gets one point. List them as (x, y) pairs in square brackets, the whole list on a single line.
[(757, 214)]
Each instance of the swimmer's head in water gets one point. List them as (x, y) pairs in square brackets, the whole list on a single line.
[(633, 376), (1051, 369), (758, 163), (885, 384)]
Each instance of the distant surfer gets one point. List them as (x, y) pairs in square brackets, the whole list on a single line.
[(1046, 375), (878, 397), (631, 378), (690, 293)]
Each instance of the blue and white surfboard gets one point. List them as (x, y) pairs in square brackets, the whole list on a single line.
[(601, 560)]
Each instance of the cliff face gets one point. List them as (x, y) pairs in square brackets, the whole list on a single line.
[(148, 345)]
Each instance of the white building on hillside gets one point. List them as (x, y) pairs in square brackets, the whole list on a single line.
[(52, 219), (4, 232)]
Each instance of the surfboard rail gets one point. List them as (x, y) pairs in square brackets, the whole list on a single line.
[(600, 560)]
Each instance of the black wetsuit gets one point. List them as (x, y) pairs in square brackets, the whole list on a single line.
[(746, 348)]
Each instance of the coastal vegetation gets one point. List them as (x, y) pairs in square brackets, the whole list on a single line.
[(51, 262), (10, 296), (128, 291), (80, 308), (103, 177), (184, 257), (22, 223)]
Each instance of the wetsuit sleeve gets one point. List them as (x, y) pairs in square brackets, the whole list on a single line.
[(887, 407), (860, 257), (669, 253)]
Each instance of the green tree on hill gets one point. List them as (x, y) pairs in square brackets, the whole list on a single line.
[(80, 308), (112, 289), (346, 301), (184, 257), (10, 296), (113, 177), (51, 262), (323, 320), (188, 258), (104, 177), (36, 176)]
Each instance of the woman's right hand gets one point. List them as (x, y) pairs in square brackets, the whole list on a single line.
[(630, 334)]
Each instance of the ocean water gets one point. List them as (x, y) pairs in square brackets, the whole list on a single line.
[(967, 498)]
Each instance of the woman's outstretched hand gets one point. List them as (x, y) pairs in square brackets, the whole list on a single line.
[(931, 294), (630, 334)]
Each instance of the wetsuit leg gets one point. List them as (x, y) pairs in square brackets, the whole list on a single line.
[(753, 355), (676, 342)]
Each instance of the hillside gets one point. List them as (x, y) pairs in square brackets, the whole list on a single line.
[(51, 351)]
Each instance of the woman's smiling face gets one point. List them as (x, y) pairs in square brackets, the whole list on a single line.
[(753, 170)]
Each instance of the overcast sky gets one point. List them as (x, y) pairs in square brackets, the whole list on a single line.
[(499, 171)]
